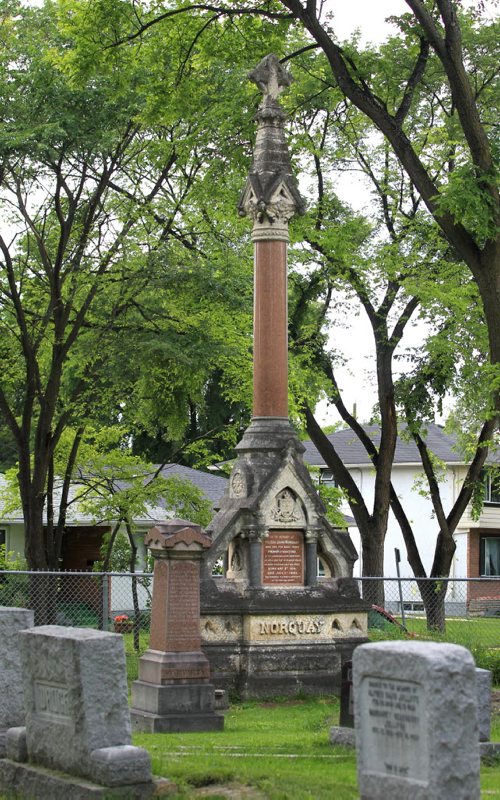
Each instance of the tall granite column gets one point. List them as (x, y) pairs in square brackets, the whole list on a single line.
[(271, 521), (270, 199)]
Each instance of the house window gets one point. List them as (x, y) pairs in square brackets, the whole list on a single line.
[(490, 556), (326, 477), (3, 536), (492, 486)]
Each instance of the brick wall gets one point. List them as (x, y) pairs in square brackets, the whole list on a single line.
[(483, 589)]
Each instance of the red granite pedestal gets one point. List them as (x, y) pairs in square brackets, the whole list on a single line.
[(173, 692)]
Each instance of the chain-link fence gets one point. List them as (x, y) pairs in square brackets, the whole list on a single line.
[(464, 611), (109, 601), (461, 609)]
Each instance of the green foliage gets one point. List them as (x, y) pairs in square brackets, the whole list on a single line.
[(333, 497), (10, 560), (128, 289), (116, 485), (467, 198)]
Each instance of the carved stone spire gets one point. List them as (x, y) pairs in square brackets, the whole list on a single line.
[(270, 196)]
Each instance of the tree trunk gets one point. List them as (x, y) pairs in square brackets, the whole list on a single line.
[(34, 543), (43, 597), (373, 568), (135, 594), (433, 595)]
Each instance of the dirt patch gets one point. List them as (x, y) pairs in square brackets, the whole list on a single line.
[(231, 791)]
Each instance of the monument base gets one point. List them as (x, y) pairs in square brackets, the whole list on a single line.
[(341, 736), (39, 783), (489, 752), (145, 722), (281, 643), (174, 708), (158, 667), (280, 669)]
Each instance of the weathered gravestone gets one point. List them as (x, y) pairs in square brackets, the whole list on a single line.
[(483, 682), (77, 719), (415, 706), (343, 734), (174, 692), (12, 620), (346, 697), (490, 751)]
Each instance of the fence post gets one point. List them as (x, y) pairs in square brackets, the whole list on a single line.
[(398, 559), (104, 601)]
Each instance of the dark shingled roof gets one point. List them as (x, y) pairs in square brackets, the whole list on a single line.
[(352, 452), (212, 486)]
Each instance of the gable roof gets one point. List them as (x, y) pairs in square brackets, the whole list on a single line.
[(351, 451), (212, 486)]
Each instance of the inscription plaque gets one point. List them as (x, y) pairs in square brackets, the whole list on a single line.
[(283, 559), (392, 728), (52, 701)]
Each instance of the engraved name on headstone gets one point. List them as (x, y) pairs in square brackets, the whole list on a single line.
[(393, 727), (283, 558), (52, 701)]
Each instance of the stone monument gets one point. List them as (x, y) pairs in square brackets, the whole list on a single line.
[(483, 682), (415, 706), (268, 625), (12, 620), (174, 692), (76, 742)]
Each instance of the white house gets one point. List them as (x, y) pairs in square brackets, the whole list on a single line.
[(79, 594), (83, 535), (478, 542)]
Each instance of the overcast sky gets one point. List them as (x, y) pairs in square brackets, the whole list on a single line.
[(356, 380)]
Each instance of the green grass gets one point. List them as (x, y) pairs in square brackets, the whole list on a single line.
[(132, 656), (280, 748), (480, 635)]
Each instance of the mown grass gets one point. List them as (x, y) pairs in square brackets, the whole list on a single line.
[(480, 635), (279, 748)]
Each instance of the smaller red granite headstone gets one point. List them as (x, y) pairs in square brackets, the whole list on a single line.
[(173, 692), (283, 559)]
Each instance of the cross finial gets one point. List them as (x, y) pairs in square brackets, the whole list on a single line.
[(270, 77)]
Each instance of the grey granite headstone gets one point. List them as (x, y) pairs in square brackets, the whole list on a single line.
[(483, 679), (77, 716), (415, 706), (12, 620)]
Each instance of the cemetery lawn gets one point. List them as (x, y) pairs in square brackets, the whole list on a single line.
[(276, 750), (480, 635)]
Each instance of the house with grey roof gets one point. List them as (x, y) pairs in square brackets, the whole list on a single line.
[(478, 541), (84, 535)]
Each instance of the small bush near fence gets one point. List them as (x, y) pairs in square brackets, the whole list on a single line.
[(121, 602)]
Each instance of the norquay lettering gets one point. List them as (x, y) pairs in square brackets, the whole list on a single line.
[(52, 700), (291, 627)]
